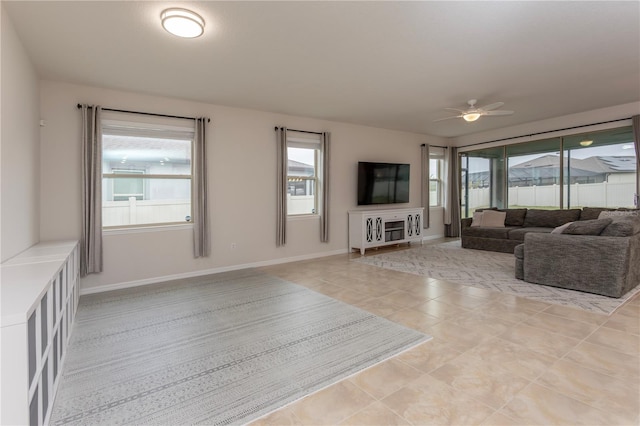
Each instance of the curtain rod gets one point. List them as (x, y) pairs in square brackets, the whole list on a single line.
[(299, 131), (436, 146), (547, 131), (148, 113)]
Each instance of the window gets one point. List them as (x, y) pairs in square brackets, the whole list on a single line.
[(588, 169), (482, 180), (534, 174), (600, 169), (436, 166), (303, 159), (128, 186), (146, 169)]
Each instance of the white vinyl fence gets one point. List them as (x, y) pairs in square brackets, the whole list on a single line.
[(605, 194), (300, 204), (134, 212)]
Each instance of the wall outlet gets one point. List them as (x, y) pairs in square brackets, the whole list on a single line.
[(233, 246)]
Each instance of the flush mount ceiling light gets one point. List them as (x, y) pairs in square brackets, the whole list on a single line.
[(182, 22), (586, 142)]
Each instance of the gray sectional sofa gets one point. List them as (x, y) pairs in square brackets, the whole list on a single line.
[(518, 223), (600, 256)]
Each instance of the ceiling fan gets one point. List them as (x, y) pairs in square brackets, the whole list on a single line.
[(473, 112)]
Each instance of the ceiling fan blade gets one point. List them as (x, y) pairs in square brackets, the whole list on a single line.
[(447, 118), (499, 112), (461, 111), (492, 106)]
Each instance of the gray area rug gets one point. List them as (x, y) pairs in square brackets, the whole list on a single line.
[(487, 270), (222, 349)]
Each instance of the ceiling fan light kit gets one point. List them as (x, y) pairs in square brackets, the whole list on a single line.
[(471, 116), (473, 113)]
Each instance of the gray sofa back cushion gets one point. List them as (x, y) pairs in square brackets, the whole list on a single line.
[(515, 217), (587, 227), (550, 218), (590, 213), (622, 226)]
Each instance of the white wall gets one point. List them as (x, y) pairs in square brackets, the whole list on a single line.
[(20, 145), (242, 160), (436, 223)]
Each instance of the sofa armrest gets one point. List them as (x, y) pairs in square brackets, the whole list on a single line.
[(589, 263), (465, 223)]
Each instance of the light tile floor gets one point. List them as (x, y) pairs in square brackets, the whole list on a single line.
[(495, 359)]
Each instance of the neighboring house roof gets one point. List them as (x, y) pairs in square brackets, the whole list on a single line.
[(594, 165), (620, 163), (300, 169), (547, 167)]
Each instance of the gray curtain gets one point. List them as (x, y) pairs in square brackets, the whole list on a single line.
[(635, 122), (281, 190), (91, 233), (425, 186), (324, 210), (199, 193), (452, 204)]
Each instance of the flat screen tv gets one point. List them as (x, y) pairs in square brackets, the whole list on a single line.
[(382, 183)]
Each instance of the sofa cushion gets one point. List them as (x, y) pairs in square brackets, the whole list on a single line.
[(590, 213), (622, 226), (550, 218), (518, 252), (477, 219), (493, 218), (486, 232), (515, 217), (519, 233), (559, 229), (618, 213), (587, 227)]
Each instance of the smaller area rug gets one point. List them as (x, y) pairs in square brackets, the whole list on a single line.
[(487, 270), (222, 349)]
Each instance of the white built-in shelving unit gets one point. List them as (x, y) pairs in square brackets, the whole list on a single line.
[(39, 293)]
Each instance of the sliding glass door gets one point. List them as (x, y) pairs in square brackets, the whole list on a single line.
[(534, 174), (600, 169), (590, 169), (482, 180)]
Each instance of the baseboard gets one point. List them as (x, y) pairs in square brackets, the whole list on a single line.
[(201, 272)]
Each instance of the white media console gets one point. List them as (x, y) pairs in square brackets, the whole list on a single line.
[(376, 228)]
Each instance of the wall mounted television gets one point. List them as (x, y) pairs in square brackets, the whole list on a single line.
[(382, 183)]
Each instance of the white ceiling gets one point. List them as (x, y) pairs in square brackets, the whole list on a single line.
[(392, 65)]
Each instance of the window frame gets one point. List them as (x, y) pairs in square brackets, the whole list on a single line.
[(312, 142), (130, 173), (560, 146), (439, 159), (156, 129)]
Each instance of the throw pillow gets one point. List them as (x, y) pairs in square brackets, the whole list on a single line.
[(493, 218), (616, 213), (561, 228), (622, 226), (587, 227), (477, 219)]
